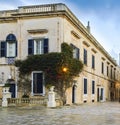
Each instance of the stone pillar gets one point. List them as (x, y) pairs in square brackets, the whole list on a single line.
[(6, 95), (51, 98)]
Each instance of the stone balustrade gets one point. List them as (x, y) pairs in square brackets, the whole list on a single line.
[(17, 101)]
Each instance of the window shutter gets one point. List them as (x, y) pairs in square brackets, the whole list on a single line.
[(78, 53), (30, 47), (3, 49), (16, 50), (46, 45)]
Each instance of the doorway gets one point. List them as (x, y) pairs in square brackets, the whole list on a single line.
[(100, 94), (73, 94), (98, 99), (12, 90), (37, 83)]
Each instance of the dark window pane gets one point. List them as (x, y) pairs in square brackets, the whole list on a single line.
[(93, 87), (93, 61), (85, 56), (85, 86)]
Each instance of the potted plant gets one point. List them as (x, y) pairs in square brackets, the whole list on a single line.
[(7, 85)]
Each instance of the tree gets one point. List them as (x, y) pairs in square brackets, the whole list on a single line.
[(59, 68)]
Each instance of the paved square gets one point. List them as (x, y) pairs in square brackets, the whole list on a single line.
[(85, 114)]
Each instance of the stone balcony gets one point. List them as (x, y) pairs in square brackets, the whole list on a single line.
[(9, 61)]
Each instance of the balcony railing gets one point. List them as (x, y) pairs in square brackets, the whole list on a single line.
[(40, 8)]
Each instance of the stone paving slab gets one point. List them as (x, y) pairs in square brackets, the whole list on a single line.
[(107, 113)]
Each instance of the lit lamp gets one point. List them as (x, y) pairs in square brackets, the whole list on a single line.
[(65, 69)]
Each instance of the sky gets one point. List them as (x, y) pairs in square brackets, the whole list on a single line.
[(104, 17)]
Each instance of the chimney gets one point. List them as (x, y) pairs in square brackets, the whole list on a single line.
[(88, 26)]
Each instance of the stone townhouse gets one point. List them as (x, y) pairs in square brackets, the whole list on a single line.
[(41, 29)]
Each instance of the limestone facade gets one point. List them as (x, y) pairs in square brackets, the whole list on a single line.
[(57, 24)]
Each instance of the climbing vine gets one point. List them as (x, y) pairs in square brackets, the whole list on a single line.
[(53, 65)]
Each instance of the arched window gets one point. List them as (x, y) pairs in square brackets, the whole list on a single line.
[(11, 46), (11, 38)]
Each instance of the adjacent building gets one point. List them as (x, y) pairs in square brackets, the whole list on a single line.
[(40, 29)]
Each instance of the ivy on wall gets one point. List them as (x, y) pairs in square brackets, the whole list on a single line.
[(59, 68)]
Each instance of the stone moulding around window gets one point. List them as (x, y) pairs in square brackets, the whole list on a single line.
[(75, 34), (103, 58), (40, 31), (94, 50), (86, 43), (108, 63)]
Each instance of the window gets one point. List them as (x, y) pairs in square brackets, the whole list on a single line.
[(93, 61), (85, 86), (37, 46), (107, 71), (93, 87), (114, 73), (11, 46), (8, 48), (111, 84), (111, 72), (85, 56), (76, 52), (102, 68)]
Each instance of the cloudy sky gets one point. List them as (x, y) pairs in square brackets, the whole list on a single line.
[(103, 16)]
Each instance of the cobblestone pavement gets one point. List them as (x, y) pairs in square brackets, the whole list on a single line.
[(85, 114)]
